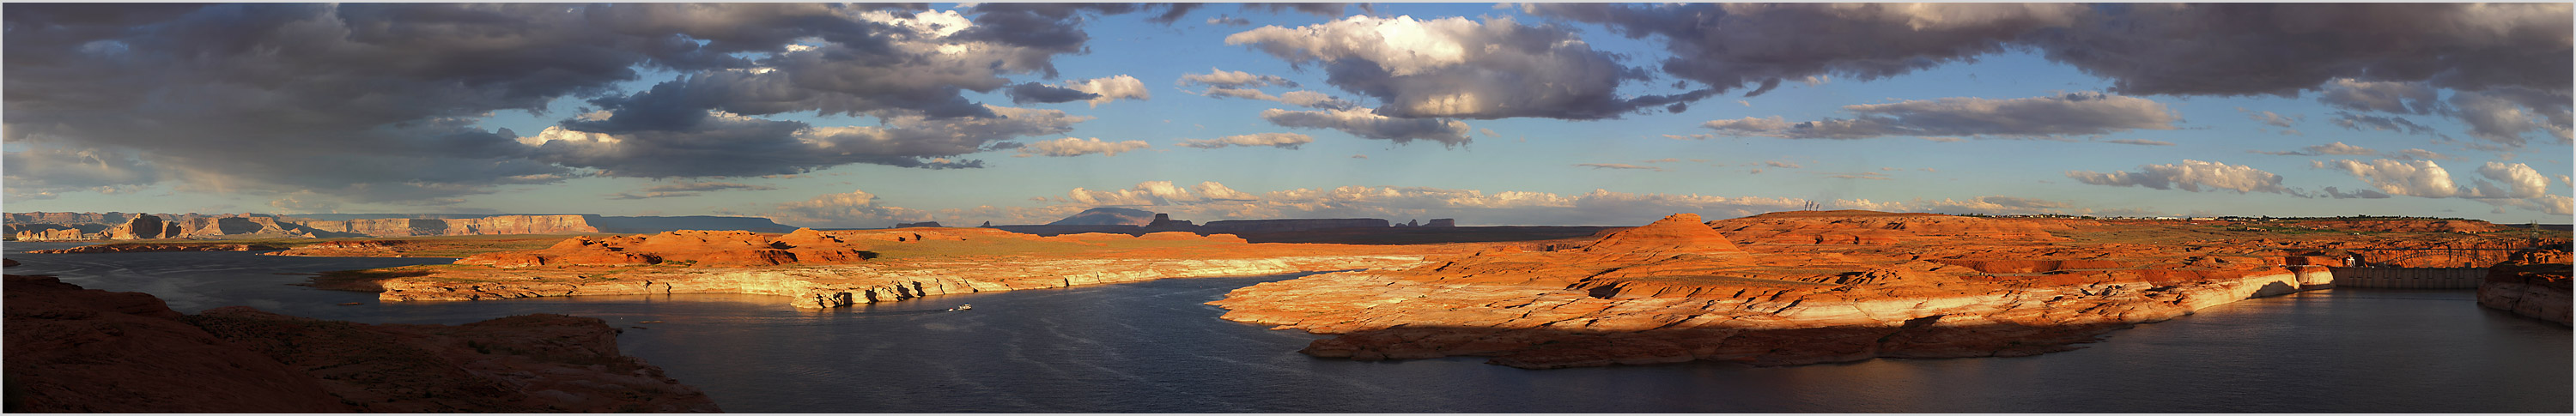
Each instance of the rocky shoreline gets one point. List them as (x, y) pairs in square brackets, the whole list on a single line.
[(845, 285), (79, 350), (2539, 291), (1840, 288), (146, 247)]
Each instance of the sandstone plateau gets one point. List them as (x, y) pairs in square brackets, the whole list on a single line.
[(824, 269), (76, 350), (1798, 288)]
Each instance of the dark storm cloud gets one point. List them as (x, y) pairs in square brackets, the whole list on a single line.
[(2145, 49), (1731, 46), (1460, 68), (378, 102), (1041, 93), (1367, 124)]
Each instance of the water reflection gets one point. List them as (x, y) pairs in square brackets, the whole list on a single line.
[(1153, 347)]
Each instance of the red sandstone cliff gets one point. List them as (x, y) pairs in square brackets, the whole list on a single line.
[(504, 224), (76, 350), (2540, 291), (1790, 289)]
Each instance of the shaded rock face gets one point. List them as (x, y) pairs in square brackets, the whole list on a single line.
[(691, 247), (75, 350), (81, 351), (2539, 291), (143, 227)]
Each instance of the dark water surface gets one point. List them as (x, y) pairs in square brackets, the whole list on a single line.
[(1153, 347)]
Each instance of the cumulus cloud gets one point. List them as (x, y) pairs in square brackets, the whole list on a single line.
[(1032, 92), (44, 172), (2519, 180), (2500, 184), (1068, 147), (2070, 114), (2336, 148), (1366, 123), (1461, 68), (1229, 21), (855, 209), (2145, 49), (2140, 142), (2419, 178), (1112, 88), (1278, 140), (2190, 175)]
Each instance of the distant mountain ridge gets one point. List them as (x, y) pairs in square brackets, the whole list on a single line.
[(1108, 216)]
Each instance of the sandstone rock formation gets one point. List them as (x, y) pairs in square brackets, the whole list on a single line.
[(142, 227), (2537, 290), (1793, 288), (147, 247), (493, 225), (689, 248), (824, 269), (76, 350)]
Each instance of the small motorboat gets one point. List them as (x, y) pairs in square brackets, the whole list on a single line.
[(961, 307)]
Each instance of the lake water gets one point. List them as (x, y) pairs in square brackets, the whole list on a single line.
[(1153, 347)]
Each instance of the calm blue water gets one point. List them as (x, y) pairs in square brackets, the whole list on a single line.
[(1153, 347)]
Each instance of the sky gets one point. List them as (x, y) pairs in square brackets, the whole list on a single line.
[(866, 115)]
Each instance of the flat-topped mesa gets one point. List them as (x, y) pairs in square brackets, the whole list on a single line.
[(690, 247), (1679, 233), (1882, 228)]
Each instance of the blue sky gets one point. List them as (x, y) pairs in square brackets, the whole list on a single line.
[(2001, 128)]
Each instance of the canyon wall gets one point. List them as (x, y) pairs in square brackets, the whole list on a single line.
[(2539, 291), (145, 227)]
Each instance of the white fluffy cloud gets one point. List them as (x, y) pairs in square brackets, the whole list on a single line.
[(2073, 114), (2419, 178), (1069, 146), (854, 209), (1112, 89), (2503, 184), (1278, 140), (2190, 175)]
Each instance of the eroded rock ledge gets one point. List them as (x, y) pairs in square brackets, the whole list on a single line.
[(77, 350), (2539, 291), (828, 269), (1795, 289)]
